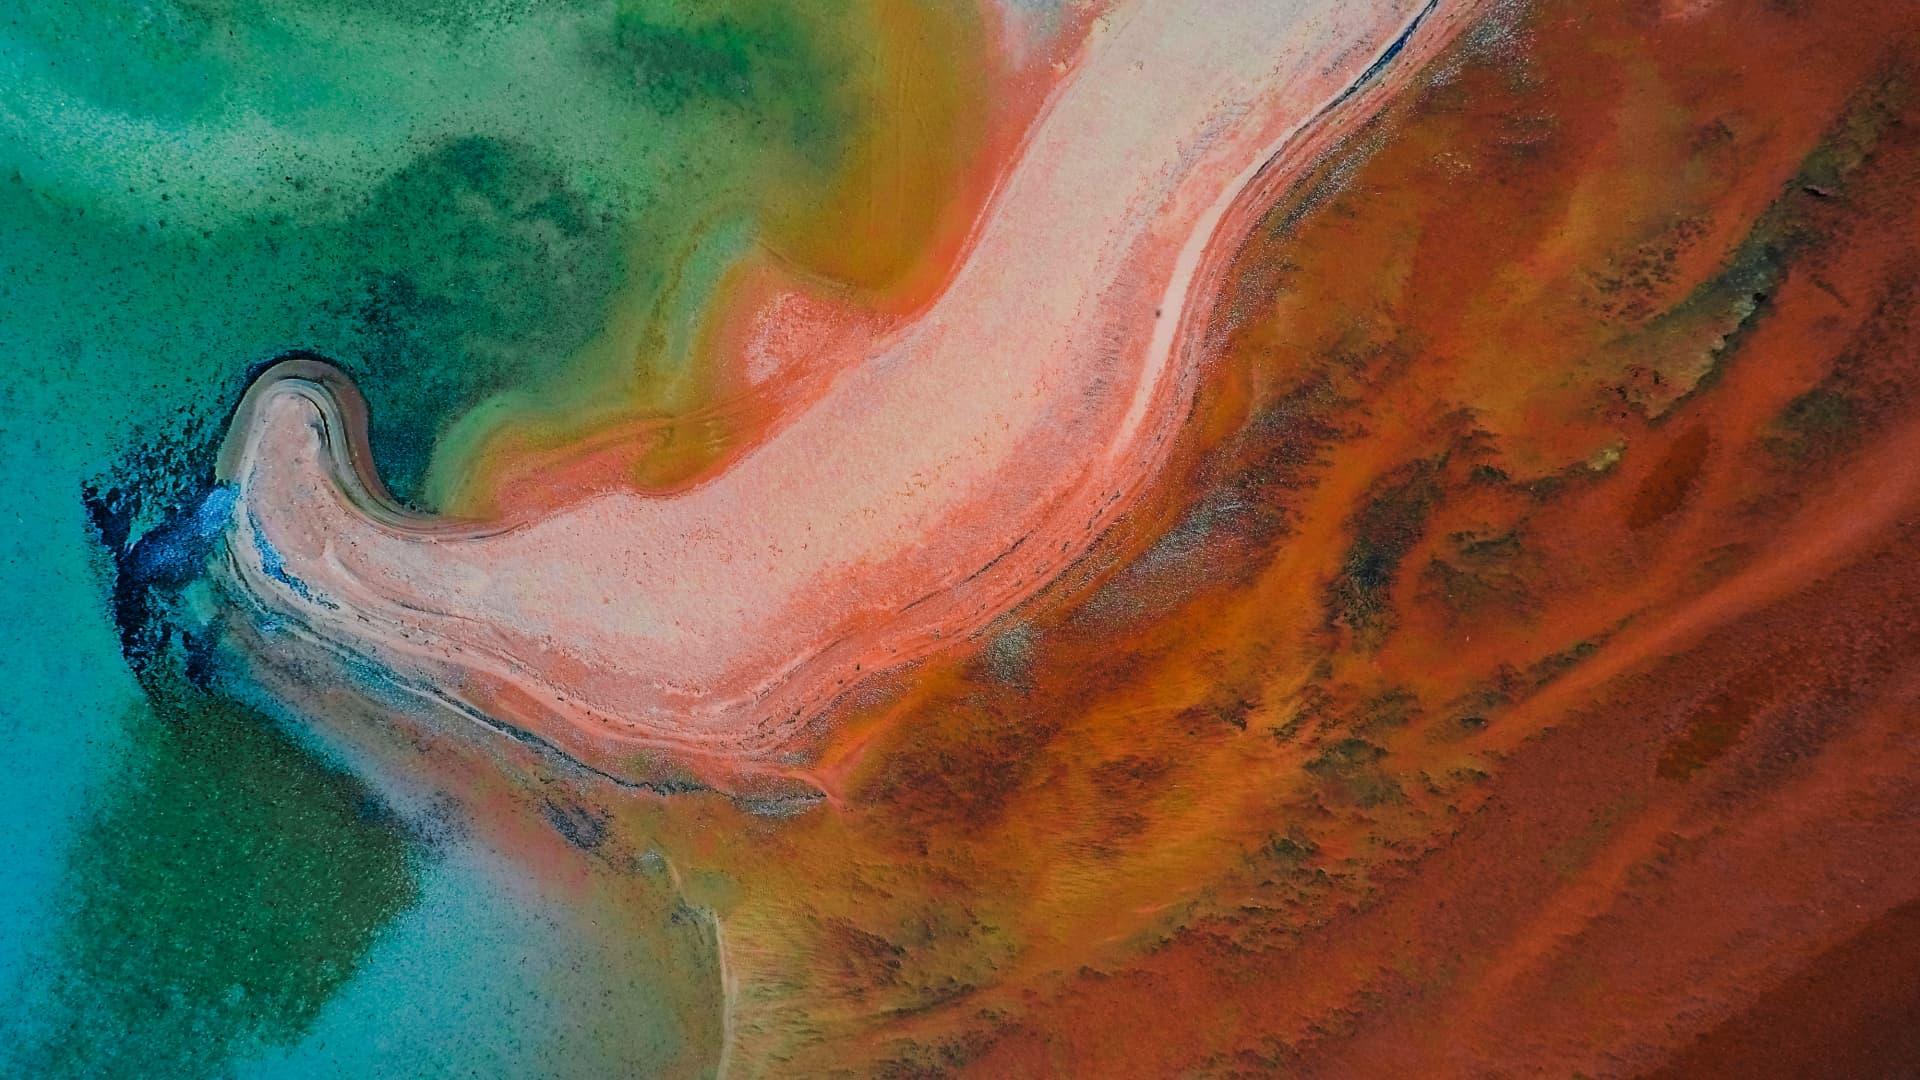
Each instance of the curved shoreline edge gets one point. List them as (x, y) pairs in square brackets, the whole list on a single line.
[(342, 416)]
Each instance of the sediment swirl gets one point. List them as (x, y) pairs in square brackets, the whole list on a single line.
[(940, 479)]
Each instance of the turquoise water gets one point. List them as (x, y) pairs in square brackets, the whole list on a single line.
[(455, 201), (536, 986)]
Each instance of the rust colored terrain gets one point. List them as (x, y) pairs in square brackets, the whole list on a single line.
[(1521, 676), (1516, 673)]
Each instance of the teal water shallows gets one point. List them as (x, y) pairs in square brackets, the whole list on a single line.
[(221, 892), (455, 200)]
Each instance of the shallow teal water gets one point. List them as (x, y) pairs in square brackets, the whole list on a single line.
[(452, 199)]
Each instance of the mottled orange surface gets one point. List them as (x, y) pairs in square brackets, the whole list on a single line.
[(1515, 674)]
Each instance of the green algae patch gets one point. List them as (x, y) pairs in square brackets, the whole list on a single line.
[(217, 899), (488, 211), (478, 268)]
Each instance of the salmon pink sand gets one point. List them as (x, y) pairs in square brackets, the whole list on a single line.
[(939, 479)]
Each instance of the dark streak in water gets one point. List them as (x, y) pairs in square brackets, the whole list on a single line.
[(1387, 56)]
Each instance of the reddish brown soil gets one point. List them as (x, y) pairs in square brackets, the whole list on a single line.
[(1518, 671), (1520, 677)]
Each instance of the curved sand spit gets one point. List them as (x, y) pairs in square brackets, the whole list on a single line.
[(937, 481)]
